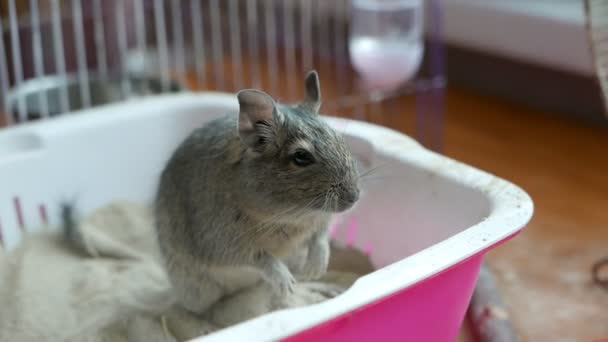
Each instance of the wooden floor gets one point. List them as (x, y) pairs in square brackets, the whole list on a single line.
[(545, 272)]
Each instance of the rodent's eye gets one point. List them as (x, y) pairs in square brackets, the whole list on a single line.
[(302, 158)]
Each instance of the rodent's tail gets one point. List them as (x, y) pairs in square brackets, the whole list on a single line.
[(70, 228)]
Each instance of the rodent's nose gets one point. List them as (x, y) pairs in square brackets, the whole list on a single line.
[(349, 197)]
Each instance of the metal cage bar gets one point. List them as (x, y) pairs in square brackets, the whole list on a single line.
[(196, 44)]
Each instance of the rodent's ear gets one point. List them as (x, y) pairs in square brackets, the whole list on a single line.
[(257, 116), (312, 100)]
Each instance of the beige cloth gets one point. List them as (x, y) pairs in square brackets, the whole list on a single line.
[(115, 291)]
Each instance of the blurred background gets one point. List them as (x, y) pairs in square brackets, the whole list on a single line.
[(508, 86)]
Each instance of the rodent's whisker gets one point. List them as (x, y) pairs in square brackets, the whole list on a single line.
[(328, 195), (368, 172), (376, 168), (369, 179), (262, 228)]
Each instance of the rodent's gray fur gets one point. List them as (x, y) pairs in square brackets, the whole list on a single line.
[(233, 208), (69, 225)]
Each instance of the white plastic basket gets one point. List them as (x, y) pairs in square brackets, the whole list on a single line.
[(430, 219)]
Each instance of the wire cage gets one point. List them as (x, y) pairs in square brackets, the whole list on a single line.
[(59, 56), (64, 56)]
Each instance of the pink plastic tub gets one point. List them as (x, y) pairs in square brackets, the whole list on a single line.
[(425, 220)]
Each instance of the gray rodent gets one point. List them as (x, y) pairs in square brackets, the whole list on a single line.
[(248, 197)]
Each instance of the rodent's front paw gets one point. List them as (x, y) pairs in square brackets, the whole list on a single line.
[(276, 273), (318, 260), (282, 280), (286, 285)]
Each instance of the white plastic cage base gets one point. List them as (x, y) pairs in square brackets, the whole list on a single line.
[(423, 214)]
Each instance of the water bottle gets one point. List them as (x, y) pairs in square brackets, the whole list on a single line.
[(386, 41)]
